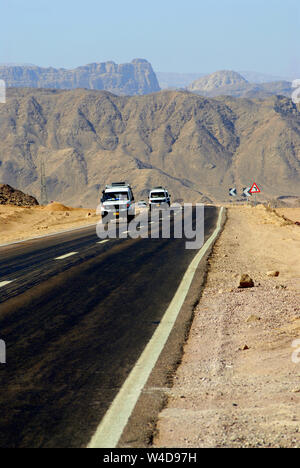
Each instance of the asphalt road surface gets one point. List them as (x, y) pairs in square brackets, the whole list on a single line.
[(75, 315)]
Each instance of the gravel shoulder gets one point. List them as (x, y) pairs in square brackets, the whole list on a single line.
[(238, 384)]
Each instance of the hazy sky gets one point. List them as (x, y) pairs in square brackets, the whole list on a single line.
[(182, 36)]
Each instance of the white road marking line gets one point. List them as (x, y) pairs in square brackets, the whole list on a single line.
[(4, 283), (125, 232), (66, 256), (103, 242), (113, 423)]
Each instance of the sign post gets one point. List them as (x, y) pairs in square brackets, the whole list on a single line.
[(254, 190)]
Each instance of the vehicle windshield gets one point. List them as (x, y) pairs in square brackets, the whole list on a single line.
[(115, 196), (158, 195)]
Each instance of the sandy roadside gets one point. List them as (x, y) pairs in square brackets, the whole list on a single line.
[(289, 213), (237, 385), (18, 223)]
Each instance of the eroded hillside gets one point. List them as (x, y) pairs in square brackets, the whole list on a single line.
[(197, 147)]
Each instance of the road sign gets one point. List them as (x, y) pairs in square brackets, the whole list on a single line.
[(246, 192), (232, 192), (254, 189)]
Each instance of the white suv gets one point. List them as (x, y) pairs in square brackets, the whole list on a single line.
[(117, 201), (159, 197)]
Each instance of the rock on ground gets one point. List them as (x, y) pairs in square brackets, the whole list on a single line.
[(11, 196)]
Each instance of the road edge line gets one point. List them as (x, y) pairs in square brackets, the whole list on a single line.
[(112, 425)]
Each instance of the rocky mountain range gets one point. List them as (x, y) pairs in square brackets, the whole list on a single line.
[(138, 78), (133, 78), (198, 147), (231, 83)]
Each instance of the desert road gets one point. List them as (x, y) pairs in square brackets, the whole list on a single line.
[(75, 315)]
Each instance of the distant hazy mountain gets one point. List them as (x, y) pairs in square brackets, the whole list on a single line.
[(132, 78), (197, 147), (230, 83), (176, 80), (184, 80), (219, 79), (255, 77)]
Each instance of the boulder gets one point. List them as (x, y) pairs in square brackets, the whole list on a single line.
[(273, 274), (246, 282)]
